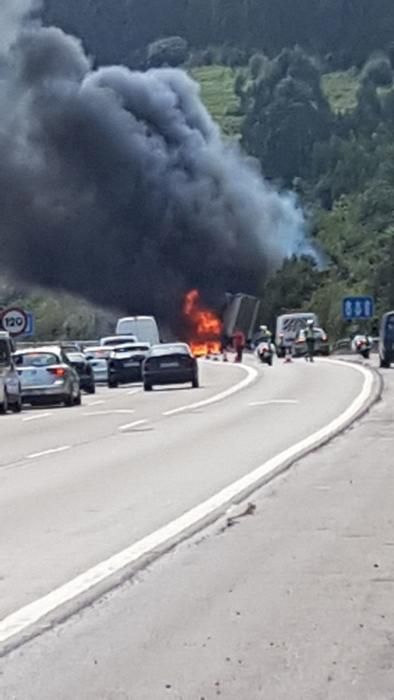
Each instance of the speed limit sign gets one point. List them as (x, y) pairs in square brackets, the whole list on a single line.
[(14, 321)]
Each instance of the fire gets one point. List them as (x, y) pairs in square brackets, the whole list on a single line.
[(205, 326)]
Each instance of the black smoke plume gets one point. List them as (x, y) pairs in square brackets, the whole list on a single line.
[(117, 185)]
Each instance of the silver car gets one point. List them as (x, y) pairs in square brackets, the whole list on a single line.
[(46, 377), (10, 386)]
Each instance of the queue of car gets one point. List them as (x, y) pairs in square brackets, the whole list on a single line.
[(58, 374)]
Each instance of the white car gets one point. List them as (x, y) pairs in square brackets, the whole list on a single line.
[(98, 359), (145, 328)]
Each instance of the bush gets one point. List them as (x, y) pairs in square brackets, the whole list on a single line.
[(378, 70), (171, 51), (257, 65)]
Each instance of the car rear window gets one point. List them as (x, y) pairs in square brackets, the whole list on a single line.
[(37, 359), (176, 349), (101, 354), (132, 348), (75, 357)]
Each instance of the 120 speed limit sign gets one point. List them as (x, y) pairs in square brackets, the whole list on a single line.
[(14, 321)]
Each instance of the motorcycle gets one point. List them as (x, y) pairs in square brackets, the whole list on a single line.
[(363, 346), (265, 353)]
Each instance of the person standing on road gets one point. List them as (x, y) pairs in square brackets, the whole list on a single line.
[(310, 340), (239, 345)]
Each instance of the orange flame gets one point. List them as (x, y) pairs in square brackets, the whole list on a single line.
[(205, 326)]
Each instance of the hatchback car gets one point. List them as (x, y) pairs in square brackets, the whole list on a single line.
[(171, 363), (47, 377), (322, 345), (125, 364)]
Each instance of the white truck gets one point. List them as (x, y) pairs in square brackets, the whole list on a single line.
[(145, 328), (288, 327)]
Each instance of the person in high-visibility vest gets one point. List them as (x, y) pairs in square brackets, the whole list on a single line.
[(310, 340)]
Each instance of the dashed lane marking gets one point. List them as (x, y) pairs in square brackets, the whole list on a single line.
[(109, 412), (37, 416), (130, 426), (52, 451)]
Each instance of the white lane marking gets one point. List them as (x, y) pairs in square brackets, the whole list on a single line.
[(30, 614), (37, 416), (133, 391), (128, 426), (95, 403), (251, 376), (290, 402), (113, 412), (44, 453)]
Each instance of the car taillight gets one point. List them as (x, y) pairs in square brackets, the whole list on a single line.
[(57, 371)]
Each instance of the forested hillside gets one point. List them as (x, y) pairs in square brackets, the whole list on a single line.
[(349, 29), (307, 87)]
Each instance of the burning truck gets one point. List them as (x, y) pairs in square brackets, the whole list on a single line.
[(209, 332)]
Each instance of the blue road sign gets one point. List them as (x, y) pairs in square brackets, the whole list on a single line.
[(357, 308), (30, 327)]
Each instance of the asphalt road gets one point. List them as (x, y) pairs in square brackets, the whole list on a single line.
[(78, 485)]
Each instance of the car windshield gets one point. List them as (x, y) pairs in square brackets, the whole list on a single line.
[(37, 359), (173, 349)]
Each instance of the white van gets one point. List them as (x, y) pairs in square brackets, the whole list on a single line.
[(288, 326), (143, 327)]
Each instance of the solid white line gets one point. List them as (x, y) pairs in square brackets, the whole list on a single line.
[(20, 620), (133, 391), (251, 376), (128, 426), (95, 403), (37, 416), (274, 401), (44, 453)]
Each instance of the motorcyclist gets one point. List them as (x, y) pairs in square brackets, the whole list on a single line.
[(265, 336), (310, 340), (264, 342)]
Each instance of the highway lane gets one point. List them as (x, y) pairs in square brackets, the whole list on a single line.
[(40, 429), (62, 513), (295, 601)]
